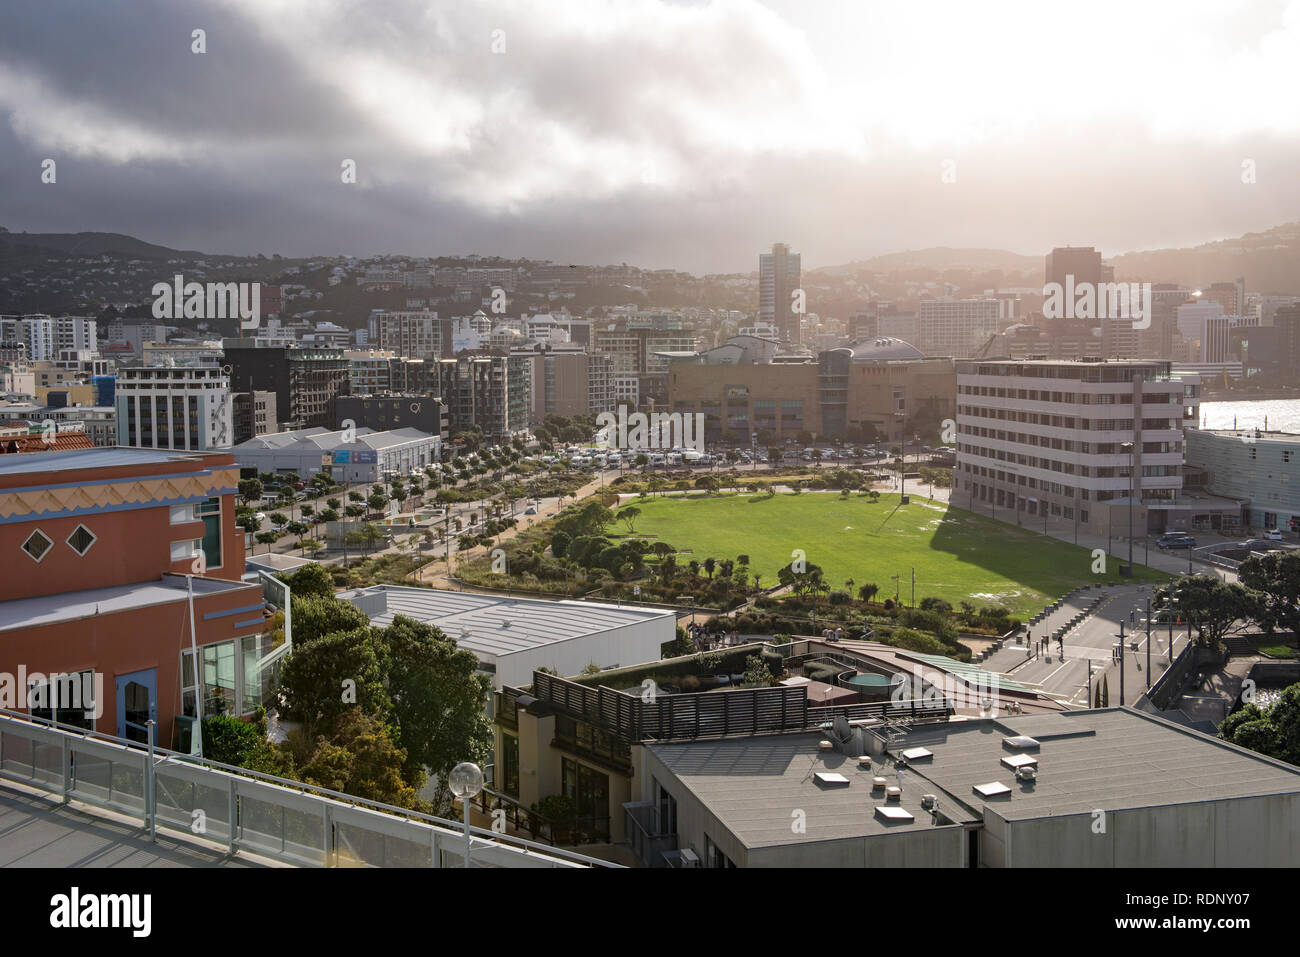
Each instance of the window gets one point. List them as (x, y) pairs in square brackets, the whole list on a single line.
[(509, 782), (589, 790), (183, 551), (210, 513), (81, 539), (182, 513), (713, 856), (37, 545), (218, 673), (65, 698)]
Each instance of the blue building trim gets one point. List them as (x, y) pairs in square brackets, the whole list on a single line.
[(249, 621), (234, 611)]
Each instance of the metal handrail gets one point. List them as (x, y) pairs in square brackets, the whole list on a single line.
[(309, 790)]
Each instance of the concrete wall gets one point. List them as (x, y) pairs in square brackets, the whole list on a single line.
[(935, 847), (1242, 832), (632, 644)]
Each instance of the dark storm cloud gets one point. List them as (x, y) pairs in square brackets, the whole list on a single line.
[(666, 135)]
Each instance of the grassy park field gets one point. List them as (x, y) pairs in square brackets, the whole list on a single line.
[(957, 555)]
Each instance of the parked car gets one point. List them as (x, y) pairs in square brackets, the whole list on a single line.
[(1176, 541), (1273, 534)]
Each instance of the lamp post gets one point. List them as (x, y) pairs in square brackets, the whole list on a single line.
[(466, 781)]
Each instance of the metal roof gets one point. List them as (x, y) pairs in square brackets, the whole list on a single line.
[(90, 459), (496, 625)]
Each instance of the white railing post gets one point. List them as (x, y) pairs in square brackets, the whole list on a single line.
[(233, 812), (151, 787), (67, 769)]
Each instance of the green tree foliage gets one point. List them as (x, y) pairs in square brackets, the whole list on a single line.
[(1216, 608), (311, 579), (325, 678), (359, 758), (437, 696), (1275, 576), (317, 615)]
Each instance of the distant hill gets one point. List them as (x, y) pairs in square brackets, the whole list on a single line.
[(943, 258), (23, 245), (1270, 261)]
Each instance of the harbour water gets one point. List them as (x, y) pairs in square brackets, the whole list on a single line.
[(1279, 415)]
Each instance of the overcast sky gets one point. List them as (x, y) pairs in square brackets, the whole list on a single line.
[(664, 134)]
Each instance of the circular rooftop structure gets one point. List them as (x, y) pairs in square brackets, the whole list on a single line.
[(884, 349)]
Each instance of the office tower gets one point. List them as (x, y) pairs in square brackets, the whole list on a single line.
[(956, 327), (1114, 426), (778, 278)]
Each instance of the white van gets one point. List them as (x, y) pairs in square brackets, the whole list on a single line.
[(656, 458), (673, 458)]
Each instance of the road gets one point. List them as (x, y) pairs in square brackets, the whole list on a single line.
[(1062, 671)]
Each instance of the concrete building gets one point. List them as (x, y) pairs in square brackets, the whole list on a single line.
[(98, 546), (417, 334), (881, 387), (490, 391), (956, 327), (778, 278), (252, 413), (382, 412), (1262, 469), (98, 422), (569, 383), (305, 381), (1168, 796), (642, 352), (186, 408), (513, 637), (1072, 440), (366, 458)]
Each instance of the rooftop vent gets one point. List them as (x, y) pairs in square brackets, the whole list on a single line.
[(1027, 773), (928, 802), (893, 793), (892, 813)]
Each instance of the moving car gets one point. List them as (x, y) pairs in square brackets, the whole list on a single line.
[(1176, 540), (1273, 535)]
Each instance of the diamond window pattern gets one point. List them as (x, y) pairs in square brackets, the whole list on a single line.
[(37, 544), (81, 539)]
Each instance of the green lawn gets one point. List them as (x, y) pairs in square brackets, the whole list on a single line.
[(957, 555)]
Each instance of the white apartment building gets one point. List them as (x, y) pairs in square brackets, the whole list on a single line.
[(956, 327), (36, 333), (1065, 441), (183, 408), (1192, 316), (417, 334)]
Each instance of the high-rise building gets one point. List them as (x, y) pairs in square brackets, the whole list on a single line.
[(485, 390), (778, 278), (418, 335), (305, 381), (184, 408)]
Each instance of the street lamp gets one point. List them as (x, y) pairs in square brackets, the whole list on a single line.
[(466, 781)]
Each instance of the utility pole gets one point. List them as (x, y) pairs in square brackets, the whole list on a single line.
[(913, 586)]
